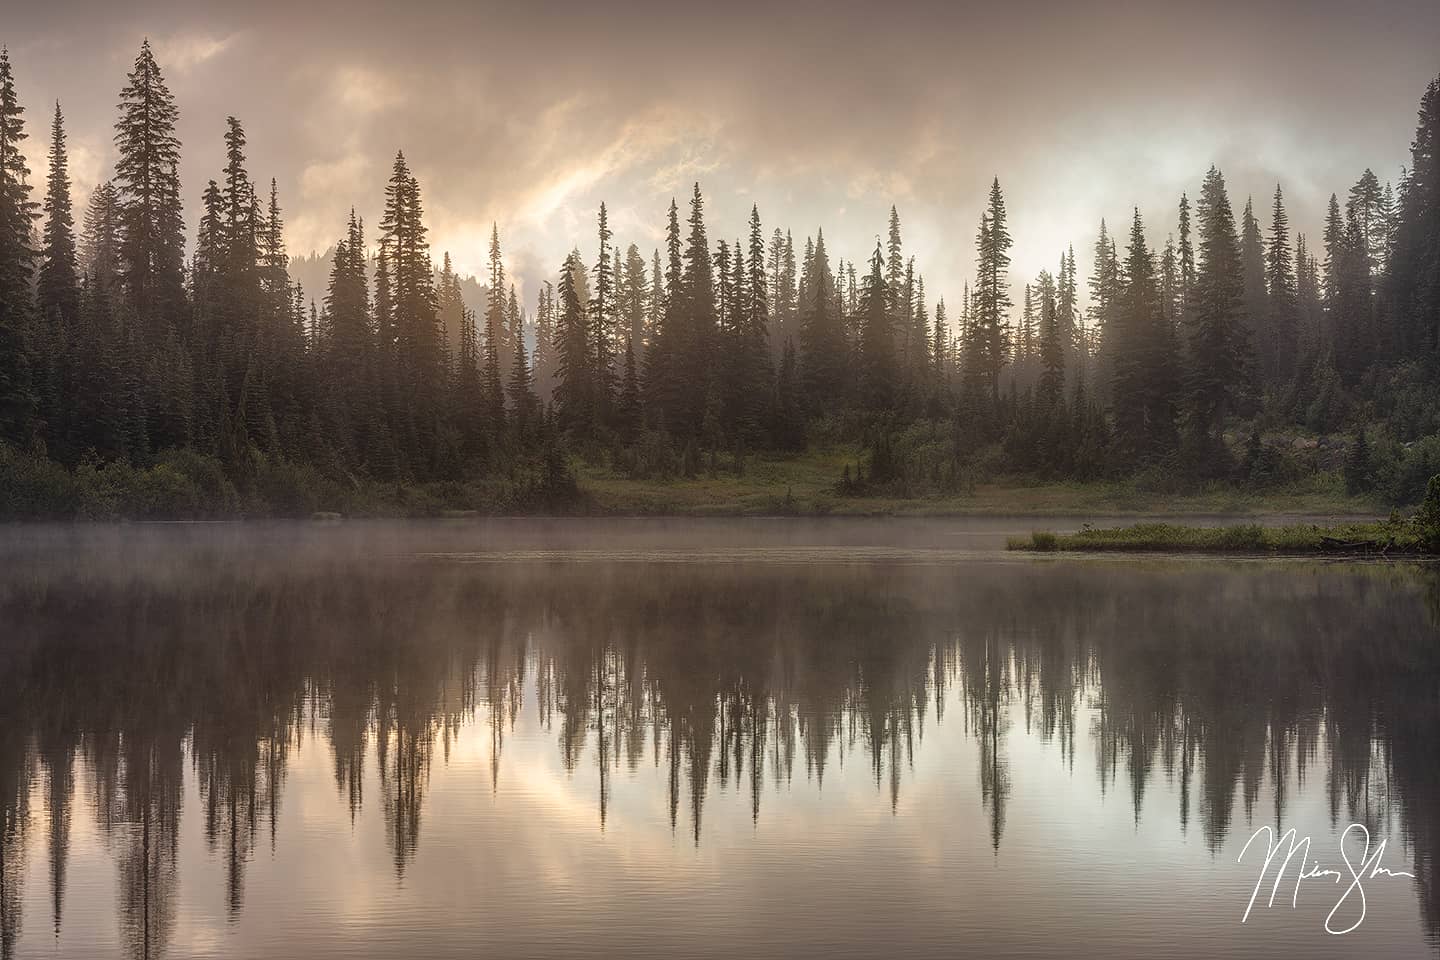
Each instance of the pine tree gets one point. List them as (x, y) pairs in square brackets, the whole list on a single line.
[(147, 176), (59, 287), (384, 306), (273, 259), (1347, 293), (894, 264), (292, 392), (1309, 312), (497, 335), (788, 431), (823, 355), (1051, 346), (784, 299), (1187, 262), (100, 239), (1025, 334), (1105, 295), (752, 374), (989, 341), (603, 324), (940, 352), (1366, 205), (1142, 371), (1257, 296), (629, 415), (17, 263), (654, 305), (1279, 345), (1170, 283), (877, 341), (450, 307), (921, 357), (544, 356), (724, 299), (632, 291), (698, 325), (97, 410), (573, 354), (1067, 312), (347, 335), (235, 312), (1414, 263), (663, 389), (1217, 347), (205, 268), (414, 320), (899, 291), (58, 299), (1358, 479), (521, 386)]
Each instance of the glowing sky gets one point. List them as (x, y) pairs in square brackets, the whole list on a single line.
[(824, 114)]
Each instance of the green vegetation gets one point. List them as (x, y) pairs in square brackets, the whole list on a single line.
[(185, 485), (1227, 371), (1419, 534), (1245, 538), (806, 485)]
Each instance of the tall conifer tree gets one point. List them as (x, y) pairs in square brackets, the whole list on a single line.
[(1217, 348), (17, 263), (147, 178), (1281, 340)]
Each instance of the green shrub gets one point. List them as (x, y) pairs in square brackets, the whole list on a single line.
[(34, 488), (1427, 518), (1359, 475), (218, 496), (159, 493), (1331, 405), (1402, 472)]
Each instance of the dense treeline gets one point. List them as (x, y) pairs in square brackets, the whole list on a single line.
[(118, 354)]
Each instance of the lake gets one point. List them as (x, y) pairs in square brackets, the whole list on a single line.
[(705, 738)]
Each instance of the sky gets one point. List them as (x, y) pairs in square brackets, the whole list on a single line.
[(530, 114)]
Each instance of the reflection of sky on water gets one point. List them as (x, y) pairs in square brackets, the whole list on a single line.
[(1004, 756)]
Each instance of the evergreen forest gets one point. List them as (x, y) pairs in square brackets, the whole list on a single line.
[(143, 374)]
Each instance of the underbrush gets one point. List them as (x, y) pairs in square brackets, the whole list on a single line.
[(1417, 535), (186, 485)]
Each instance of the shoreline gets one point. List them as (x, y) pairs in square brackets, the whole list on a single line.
[(1391, 539)]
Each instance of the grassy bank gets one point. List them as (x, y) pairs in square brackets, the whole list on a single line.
[(806, 485), (183, 485), (1389, 538)]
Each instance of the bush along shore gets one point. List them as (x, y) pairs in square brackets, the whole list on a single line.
[(1414, 536)]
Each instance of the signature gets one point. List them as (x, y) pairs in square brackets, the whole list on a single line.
[(1293, 845)]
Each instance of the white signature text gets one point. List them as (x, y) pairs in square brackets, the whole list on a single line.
[(1295, 847)]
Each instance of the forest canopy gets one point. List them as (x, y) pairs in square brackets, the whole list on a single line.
[(139, 377)]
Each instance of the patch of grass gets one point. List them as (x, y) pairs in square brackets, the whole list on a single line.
[(1042, 541), (811, 482), (1387, 538), (185, 485)]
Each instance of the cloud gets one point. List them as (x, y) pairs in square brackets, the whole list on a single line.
[(179, 53), (530, 114), (363, 90)]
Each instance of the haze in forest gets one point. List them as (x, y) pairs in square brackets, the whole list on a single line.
[(825, 114)]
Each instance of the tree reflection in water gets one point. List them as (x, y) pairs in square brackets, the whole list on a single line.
[(725, 676)]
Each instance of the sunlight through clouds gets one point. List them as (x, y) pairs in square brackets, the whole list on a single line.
[(183, 52)]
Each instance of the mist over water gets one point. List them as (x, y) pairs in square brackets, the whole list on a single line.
[(681, 738)]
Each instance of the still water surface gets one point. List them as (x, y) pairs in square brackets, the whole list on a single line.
[(668, 739)]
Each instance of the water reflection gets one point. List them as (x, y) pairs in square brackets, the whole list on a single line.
[(128, 678)]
